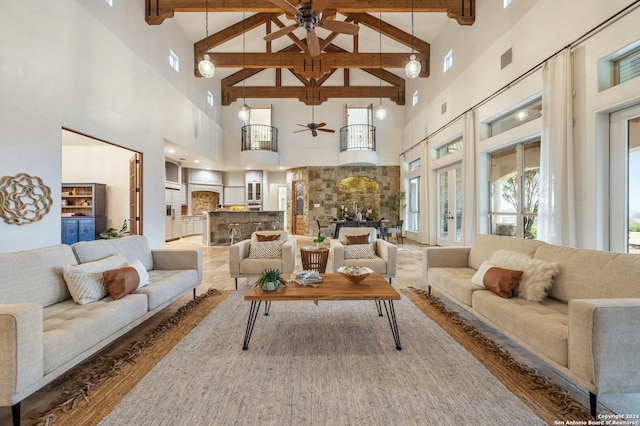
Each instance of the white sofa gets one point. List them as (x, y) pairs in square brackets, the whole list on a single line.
[(44, 332), (243, 263), (384, 261), (587, 325)]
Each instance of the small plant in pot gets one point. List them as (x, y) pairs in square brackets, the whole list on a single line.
[(270, 279), (319, 240)]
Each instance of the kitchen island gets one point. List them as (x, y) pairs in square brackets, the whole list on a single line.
[(218, 222)]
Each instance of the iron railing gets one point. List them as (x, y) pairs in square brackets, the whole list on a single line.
[(259, 137), (358, 137)]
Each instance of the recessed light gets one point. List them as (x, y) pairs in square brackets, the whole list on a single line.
[(171, 151), (196, 161)]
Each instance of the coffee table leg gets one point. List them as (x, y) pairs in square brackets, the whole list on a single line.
[(267, 306), (391, 315), (253, 314), (379, 306)]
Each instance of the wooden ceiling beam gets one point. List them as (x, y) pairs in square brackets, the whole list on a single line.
[(314, 95), (463, 11), (317, 66)]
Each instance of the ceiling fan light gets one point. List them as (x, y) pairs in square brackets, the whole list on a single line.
[(243, 114), (412, 69), (206, 67), (381, 112)]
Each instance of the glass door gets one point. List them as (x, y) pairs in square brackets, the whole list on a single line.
[(449, 181)]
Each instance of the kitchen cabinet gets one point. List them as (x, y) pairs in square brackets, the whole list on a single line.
[(254, 191), (233, 195), (192, 225), (205, 177)]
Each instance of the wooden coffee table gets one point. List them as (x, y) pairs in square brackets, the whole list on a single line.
[(334, 287)]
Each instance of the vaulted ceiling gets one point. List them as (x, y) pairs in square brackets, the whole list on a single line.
[(236, 42)]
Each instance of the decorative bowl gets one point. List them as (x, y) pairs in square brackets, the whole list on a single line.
[(354, 274)]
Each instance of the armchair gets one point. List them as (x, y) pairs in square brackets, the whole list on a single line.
[(248, 258), (383, 260)]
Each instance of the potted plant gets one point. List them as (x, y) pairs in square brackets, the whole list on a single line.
[(319, 240), (393, 206), (270, 279)]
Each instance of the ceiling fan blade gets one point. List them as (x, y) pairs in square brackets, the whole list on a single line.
[(314, 133), (288, 7), (298, 131), (321, 124), (319, 5), (303, 125), (282, 31), (327, 130), (313, 43), (340, 27)]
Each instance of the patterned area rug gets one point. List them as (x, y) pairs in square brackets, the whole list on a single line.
[(107, 387)]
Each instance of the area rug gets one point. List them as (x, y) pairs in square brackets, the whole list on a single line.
[(334, 363)]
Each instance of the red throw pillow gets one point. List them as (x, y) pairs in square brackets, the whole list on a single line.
[(262, 238), (502, 281), (120, 282), (358, 239)]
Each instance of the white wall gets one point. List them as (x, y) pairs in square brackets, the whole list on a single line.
[(103, 72)]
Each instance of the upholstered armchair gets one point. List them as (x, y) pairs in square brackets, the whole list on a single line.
[(361, 247), (265, 249)]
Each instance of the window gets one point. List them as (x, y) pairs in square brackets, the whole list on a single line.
[(414, 165), (515, 118), (514, 192), (415, 98), (209, 97), (626, 67), (505, 3), (450, 148), (413, 205), (448, 60), (174, 61), (110, 2)]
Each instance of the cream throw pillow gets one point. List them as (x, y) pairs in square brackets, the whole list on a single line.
[(142, 272), (537, 277), (85, 281), (266, 249), (359, 251)]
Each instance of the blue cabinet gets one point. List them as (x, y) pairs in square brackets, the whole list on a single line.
[(76, 229)]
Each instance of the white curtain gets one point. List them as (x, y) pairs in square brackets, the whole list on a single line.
[(556, 212), (469, 159)]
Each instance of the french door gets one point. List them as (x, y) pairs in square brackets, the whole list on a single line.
[(624, 180), (449, 217)]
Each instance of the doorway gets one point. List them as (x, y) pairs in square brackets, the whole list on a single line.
[(624, 180), (449, 202)]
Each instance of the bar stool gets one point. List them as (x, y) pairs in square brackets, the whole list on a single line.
[(235, 234), (257, 226)]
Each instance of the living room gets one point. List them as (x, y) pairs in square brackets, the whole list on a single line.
[(103, 71)]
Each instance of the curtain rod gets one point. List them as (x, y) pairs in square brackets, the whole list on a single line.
[(535, 68)]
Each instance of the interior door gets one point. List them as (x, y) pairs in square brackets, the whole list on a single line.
[(298, 208), (135, 194), (449, 217)]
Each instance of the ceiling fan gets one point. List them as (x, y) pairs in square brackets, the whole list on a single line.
[(314, 127), (309, 15)]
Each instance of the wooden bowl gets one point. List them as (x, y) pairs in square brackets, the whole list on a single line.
[(354, 274)]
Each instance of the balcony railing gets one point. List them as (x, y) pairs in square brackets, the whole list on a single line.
[(259, 137), (358, 137)]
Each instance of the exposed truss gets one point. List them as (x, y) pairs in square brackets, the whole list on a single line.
[(312, 72)]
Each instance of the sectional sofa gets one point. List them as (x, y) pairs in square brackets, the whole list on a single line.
[(53, 315), (577, 309)]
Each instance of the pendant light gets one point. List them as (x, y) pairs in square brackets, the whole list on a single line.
[(412, 69), (205, 66), (381, 113), (244, 112)]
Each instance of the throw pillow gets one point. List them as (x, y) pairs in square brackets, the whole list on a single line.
[(479, 275), (85, 281), (538, 274), (501, 281), (357, 239), (359, 251), (142, 272), (120, 282), (266, 250), (273, 237)]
